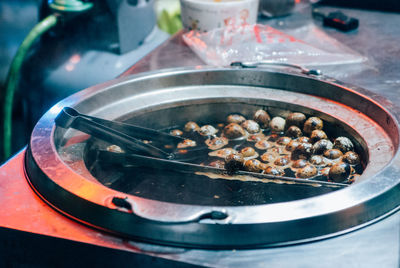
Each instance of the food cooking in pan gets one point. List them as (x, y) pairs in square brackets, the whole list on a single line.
[(292, 146)]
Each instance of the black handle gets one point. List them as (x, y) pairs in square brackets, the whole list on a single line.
[(70, 118)]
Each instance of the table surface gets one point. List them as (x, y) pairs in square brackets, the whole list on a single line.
[(377, 38)]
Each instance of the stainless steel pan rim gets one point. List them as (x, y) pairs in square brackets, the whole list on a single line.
[(201, 226)]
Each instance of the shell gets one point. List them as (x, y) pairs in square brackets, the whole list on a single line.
[(262, 118), (351, 157), (217, 164), (302, 151), (282, 161), (207, 130), (268, 157), (235, 118), (277, 124), (307, 172), (333, 154), (318, 134), (321, 146), (339, 172), (294, 132), (312, 123), (115, 149), (249, 153), (343, 144), (295, 119), (191, 127), (186, 143), (292, 145), (234, 162), (251, 126), (234, 131), (283, 140), (216, 143), (255, 137), (317, 160), (300, 163), (222, 153), (252, 165), (176, 132), (263, 145), (274, 171)]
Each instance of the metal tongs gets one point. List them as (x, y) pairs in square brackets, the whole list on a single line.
[(126, 136)]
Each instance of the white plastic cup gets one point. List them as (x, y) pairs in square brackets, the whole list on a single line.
[(205, 15)]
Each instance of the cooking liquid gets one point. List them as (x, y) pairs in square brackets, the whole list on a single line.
[(210, 188)]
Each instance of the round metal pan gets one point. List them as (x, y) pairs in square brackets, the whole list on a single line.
[(66, 184)]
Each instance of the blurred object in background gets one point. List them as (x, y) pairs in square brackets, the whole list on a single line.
[(127, 13), (17, 18), (208, 15), (336, 19), (305, 46), (168, 15), (384, 5), (276, 8), (77, 54)]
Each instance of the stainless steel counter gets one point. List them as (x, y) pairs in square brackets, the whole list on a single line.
[(377, 38)]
